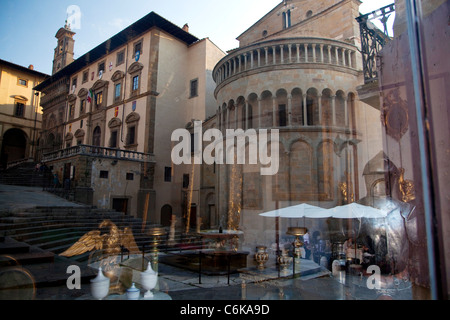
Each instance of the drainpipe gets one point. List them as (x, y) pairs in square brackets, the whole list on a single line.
[(124, 92)]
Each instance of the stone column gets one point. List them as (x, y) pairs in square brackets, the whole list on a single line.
[(337, 55), (219, 119), (333, 108), (274, 54), (251, 59), (245, 61), (266, 49), (298, 52), (305, 111), (259, 57), (274, 111), (329, 54), (306, 52), (235, 117), (259, 112), (282, 53), (314, 52), (346, 111), (289, 109), (227, 123), (319, 102), (321, 53), (290, 52), (246, 114)]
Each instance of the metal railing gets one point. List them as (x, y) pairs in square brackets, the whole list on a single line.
[(373, 39)]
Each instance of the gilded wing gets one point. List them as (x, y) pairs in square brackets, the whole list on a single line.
[(127, 240), (88, 242)]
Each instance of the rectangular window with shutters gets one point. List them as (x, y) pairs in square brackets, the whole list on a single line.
[(120, 58), (85, 76), (20, 110), (113, 139), (131, 136)]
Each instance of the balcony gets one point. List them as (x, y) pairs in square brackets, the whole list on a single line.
[(373, 40), (98, 152), (291, 53)]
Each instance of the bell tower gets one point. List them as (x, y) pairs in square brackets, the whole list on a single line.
[(64, 48)]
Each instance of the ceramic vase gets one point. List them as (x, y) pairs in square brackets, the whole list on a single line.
[(149, 279), (133, 292), (261, 257), (100, 285)]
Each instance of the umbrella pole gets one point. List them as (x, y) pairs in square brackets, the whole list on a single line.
[(277, 237)]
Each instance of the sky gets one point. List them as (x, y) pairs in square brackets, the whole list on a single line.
[(28, 27)]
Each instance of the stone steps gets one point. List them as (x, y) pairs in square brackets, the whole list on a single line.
[(23, 253), (55, 229)]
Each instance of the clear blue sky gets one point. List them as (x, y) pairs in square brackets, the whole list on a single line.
[(28, 27)]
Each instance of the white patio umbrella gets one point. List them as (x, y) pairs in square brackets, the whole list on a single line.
[(303, 210), (356, 210)]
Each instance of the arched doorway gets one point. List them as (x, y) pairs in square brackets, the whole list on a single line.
[(166, 215), (14, 146), (96, 137)]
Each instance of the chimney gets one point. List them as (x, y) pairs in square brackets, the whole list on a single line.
[(31, 67), (186, 27)]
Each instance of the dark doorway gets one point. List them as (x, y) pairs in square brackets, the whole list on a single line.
[(193, 217), (96, 137), (120, 205), (166, 215), (13, 147)]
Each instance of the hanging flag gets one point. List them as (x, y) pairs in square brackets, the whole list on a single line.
[(89, 97), (138, 56), (116, 112)]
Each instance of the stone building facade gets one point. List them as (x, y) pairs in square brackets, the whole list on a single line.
[(296, 70), (20, 116), (109, 115)]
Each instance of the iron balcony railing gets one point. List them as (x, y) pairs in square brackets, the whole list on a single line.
[(373, 39)]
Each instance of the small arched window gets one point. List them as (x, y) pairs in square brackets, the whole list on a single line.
[(286, 19)]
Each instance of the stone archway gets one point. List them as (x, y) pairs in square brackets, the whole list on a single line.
[(14, 146)]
